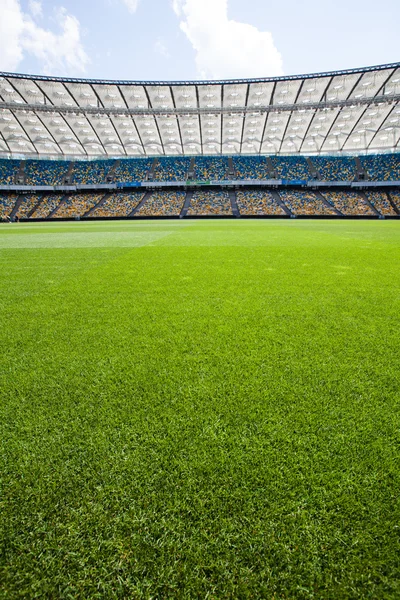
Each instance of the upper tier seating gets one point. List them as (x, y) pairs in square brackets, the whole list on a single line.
[(291, 167), (250, 167), (162, 204), (305, 203), (338, 168), (214, 168), (118, 205), (91, 172), (258, 203), (8, 171), (382, 167), (133, 169), (45, 172), (210, 203), (349, 203), (172, 169)]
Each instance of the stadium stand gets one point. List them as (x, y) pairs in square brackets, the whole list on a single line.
[(162, 204), (338, 168), (47, 205), (27, 204), (45, 172), (213, 168), (258, 203), (341, 168), (133, 169), (395, 197), (77, 205), (305, 203), (349, 203), (7, 203), (381, 202), (118, 205), (91, 172), (8, 171), (250, 167), (210, 203), (382, 167), (291, 167), (172, 169)]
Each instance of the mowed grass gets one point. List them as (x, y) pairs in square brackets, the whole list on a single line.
[(200, 409)]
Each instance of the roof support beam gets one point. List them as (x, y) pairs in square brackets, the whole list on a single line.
[(271, 108)]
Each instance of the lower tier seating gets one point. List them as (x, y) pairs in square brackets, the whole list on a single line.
[(381, 202), (205, 202), (210, 203), (118, 205), (162, 204), (395, 197), (27, 205), (77, 205), (258, 203), (46, 206), (7, 203), (349, 203), (305, 203)]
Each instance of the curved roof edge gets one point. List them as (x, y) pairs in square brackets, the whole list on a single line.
[(203, 82)]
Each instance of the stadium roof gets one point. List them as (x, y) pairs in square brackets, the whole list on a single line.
[(354, 111)]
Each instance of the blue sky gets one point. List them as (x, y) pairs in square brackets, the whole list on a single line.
[(191, 39)]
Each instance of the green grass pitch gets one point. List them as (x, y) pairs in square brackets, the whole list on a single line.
[(200, 409)]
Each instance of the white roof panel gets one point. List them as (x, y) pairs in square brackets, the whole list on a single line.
[(344, 111)]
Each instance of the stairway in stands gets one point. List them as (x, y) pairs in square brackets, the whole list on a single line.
[(186, 204), (20, 176), (279, 201), (34, 209), (16, 207), (393, 204), (312, 168), (231, 169), (324, 201), (53, 212), (69, 176), (372, 207), (100, 203), (111, 173), (234, 206), (362, 174), (190, 173), (150, 174), (141, 203), (270, 168)]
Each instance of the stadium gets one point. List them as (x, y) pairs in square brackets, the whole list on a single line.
[(200, 299), (310, 146)]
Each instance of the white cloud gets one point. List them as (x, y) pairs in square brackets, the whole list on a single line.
[(11, 27), (161, 48), (225, 48), (131, 5), (35, 7), (20, 35)]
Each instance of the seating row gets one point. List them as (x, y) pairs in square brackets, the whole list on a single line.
[(383, 167), (202, 203)]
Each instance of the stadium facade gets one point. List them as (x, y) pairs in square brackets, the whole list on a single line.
[(310, 145)]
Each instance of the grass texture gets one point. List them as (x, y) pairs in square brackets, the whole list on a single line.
[(200, 409)]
